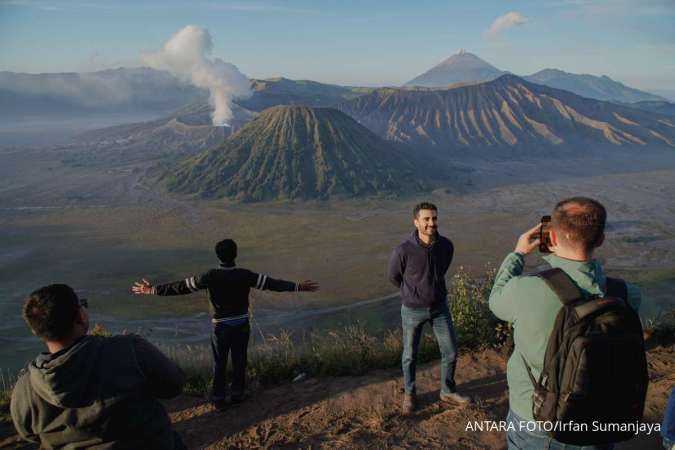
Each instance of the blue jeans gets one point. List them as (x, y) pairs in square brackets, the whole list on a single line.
[(226, 339), (518, 437), (412, 321)]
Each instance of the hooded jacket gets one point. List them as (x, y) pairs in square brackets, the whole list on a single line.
[(419, 270), (99, 393)]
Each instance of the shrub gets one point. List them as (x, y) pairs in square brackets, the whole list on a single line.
[(100, 330), (661, 329), (475, 325)]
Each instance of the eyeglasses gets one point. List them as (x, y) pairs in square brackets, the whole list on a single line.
[(84, 303)]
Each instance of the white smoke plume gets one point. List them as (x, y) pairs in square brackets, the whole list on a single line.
[(186, 55), (503, 23)]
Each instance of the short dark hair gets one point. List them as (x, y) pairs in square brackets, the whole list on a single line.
[(423, 205), (226, 250), (583, 218), (51, 311)]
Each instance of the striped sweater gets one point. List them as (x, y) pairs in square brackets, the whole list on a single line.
[(228, 289)]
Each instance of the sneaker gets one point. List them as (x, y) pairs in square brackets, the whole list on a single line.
[(408, 406), (454, 397)]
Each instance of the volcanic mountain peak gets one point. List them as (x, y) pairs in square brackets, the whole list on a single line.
[(465, 59), (298, 152), (460, 67)]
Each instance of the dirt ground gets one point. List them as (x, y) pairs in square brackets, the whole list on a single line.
[(363, 411), (354, 412)]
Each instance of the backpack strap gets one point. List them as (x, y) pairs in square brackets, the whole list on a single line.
[(534, 381), (566, 291), (595, 305), (563, 286), (616, 292)]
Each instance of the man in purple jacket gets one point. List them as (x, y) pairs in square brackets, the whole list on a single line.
[(418, 267)]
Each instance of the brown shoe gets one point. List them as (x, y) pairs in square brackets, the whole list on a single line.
[(455, 397), (408, 406)]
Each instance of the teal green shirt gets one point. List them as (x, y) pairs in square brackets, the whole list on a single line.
[(531, 306)]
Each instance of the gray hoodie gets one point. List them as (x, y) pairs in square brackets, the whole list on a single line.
[(101, 393)]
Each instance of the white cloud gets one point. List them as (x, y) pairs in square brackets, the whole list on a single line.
[(505, 22)]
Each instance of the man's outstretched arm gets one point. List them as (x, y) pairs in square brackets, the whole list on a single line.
[(263, 282), (183, 287)]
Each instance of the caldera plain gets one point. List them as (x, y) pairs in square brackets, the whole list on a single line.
[(100, 223)]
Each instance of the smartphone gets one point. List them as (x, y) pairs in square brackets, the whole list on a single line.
[(545, 234)]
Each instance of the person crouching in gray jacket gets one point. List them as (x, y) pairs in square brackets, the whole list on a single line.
[(418, 267), (91, 391)]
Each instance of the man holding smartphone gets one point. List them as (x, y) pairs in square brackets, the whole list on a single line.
[(575, 230), (418, 267)]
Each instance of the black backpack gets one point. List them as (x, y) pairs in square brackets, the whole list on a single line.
[(594, 377)]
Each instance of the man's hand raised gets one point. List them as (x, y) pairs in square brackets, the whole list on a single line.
[(142, 287), (308, 286), (528, 241)]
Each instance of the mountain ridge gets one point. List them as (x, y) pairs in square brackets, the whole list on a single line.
[(591, 86), (141, 89), (507, 112)]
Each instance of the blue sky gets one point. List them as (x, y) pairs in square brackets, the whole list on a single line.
[(351, 42)]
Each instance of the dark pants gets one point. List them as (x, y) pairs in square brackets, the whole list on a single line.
[(226, 339), (413, 320)]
